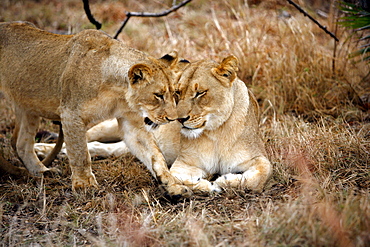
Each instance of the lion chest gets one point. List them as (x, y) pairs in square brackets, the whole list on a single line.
[(213, 155)]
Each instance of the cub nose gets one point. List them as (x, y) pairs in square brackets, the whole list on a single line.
[(183, 120)]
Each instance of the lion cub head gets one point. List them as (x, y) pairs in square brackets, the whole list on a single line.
[(205, 95), (151, 89)]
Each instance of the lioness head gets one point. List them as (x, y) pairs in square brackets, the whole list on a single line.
[(151, 89), (205, 95)]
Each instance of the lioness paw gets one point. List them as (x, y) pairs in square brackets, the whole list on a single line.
[(39, 170), (205, 186), (215, 188), (84, 182), (230, 180), (178, 190)]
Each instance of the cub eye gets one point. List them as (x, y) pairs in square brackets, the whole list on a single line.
[(159, 96), (200, 94)]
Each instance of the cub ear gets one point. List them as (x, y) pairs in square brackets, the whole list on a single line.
[(226, 71), (170, 59), (173, 62), (182, 64), (139, 73)]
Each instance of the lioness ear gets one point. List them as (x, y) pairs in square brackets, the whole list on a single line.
[(170, 59), (138, 73), (226, 71)]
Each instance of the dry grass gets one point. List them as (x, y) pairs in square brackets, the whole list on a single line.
[(315, 124)]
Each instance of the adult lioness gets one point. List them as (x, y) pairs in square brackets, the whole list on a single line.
[(82, 79), (219, 132)]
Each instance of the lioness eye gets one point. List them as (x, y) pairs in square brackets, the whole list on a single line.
[(159, 96), (200, 94)]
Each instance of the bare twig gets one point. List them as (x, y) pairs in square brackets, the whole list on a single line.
[(147, 14), (313, 19), (335, 18), (89, 15)]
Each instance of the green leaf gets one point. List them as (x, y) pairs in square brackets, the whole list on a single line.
[(357, 19), (362, 28), (359, 52), (367, 37)]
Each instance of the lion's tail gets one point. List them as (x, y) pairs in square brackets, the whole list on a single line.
[(58, 146)]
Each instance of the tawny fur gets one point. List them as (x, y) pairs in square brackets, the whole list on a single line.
[(220, 134), (84, 79)]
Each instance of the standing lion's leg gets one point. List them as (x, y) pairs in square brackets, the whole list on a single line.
[(78, 154), (27, 125), (142, 144), (256, 172)]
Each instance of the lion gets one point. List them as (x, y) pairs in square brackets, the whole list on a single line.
[(80, 80), (217, 132)]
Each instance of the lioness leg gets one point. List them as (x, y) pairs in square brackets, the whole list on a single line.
[(256, 172), (25, 132), (96, 149), (106, 131), (78, 154), (142, 144)]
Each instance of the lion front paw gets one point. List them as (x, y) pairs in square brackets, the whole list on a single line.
[(205, 186), (177, 191), (84, 181), (230, 180)]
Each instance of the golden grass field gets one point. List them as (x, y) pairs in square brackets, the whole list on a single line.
[(315, 120)]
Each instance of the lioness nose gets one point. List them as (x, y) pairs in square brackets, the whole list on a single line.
[(182, 120)]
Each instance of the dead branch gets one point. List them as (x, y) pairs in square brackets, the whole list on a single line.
[(89, 15), (313, 19), (147, 14)]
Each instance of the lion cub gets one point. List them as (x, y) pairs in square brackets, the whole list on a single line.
[(219, 130), (84, 79)]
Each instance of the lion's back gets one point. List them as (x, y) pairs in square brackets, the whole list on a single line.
[(31, 62)]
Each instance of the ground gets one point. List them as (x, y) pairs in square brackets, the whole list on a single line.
[(314, 121)]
